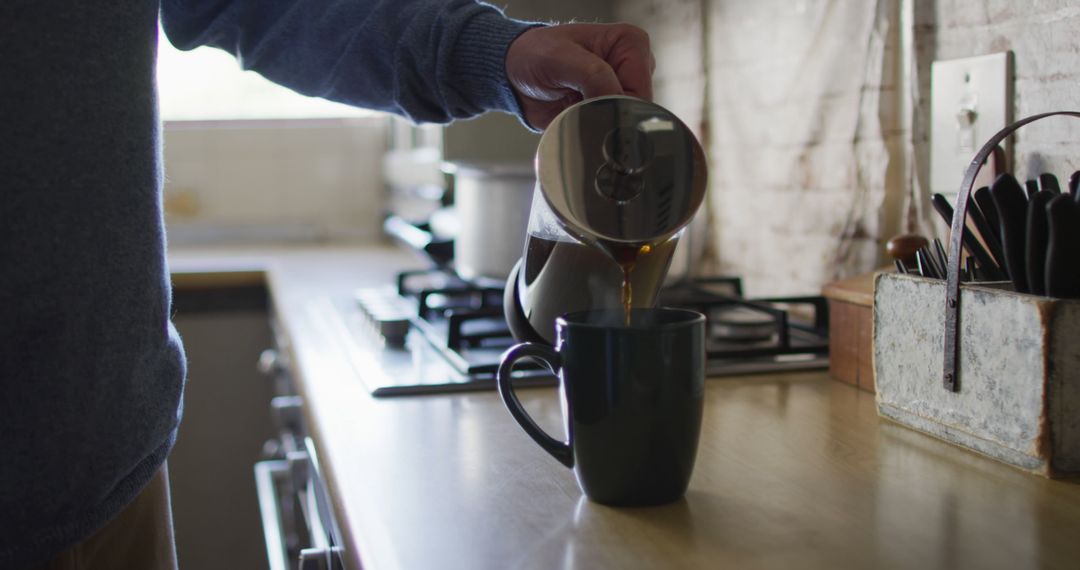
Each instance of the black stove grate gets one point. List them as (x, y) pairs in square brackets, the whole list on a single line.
[(796, 325), (463, 324)]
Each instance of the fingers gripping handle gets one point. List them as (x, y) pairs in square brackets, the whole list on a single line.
[(550, 358)]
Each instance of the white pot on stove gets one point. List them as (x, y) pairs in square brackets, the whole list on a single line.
[(492, 202)]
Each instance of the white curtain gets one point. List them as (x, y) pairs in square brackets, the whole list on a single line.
[(802, 106)]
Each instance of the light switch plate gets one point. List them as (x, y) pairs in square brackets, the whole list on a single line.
[(970, 100)]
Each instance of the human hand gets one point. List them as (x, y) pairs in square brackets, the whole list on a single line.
[(554, 67)]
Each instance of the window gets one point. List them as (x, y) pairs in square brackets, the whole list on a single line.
[(208, 84)]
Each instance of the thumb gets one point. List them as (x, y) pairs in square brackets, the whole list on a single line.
[(581, 70)]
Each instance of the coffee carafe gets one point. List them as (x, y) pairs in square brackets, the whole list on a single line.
[(617, 180)]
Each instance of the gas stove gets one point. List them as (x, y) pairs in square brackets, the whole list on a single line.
[(435, 332)]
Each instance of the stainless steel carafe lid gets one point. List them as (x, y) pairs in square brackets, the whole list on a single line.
[(621, 169)]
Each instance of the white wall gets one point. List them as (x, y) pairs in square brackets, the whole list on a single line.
[(274, 180)]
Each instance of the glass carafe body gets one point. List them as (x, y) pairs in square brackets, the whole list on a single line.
[(558, 274), (618, 180)]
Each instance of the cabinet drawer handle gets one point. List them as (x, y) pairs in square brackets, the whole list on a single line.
[(266, 475)]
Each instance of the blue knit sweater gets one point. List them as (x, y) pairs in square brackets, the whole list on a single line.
[(91, 369)]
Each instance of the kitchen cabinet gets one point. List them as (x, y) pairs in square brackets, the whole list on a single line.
[(223, 321), (794, 470)]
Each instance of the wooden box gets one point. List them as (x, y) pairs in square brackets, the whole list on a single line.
[(850, 340)]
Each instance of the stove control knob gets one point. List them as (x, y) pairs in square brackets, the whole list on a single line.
[(386, 313)]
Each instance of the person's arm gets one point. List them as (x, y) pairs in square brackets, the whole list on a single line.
[(430, 60)]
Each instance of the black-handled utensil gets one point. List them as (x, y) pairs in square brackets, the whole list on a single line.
[(1011, 204), (941, 257), (1035, 241), (1074, 184), (972, 271), (1063, 248), (1049, 183), (985, 202), (1030, 188), (939, 263), (988, 233), (925, 265), (945, 210)]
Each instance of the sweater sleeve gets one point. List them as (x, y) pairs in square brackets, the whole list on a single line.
[(429, 60)]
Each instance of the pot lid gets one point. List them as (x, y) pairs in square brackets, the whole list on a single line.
[(621, 169)]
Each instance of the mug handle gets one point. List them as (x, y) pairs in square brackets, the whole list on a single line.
[(559, 450)]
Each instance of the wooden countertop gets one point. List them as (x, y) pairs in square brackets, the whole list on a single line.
[(793, 471)]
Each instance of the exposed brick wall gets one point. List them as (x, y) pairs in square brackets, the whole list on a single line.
[(1044, 36), (805, 189)]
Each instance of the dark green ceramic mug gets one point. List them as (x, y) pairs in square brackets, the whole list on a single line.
[(633, 398)]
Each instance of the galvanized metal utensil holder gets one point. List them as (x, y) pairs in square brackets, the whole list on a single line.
[(998, 372)]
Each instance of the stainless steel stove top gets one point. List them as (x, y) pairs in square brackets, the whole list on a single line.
[(433, 332)]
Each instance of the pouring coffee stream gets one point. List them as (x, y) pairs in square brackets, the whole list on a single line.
[(627, 258), (618, 179)]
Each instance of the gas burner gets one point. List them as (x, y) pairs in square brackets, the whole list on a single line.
[(754, 334), (736, 324), (435, 332)]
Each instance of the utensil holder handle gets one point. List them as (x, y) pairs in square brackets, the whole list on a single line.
[(952, 287)]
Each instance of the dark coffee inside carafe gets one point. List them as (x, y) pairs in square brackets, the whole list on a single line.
[(613, 174), (570, 275)]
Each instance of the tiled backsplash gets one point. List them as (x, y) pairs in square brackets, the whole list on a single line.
[(274, 180)]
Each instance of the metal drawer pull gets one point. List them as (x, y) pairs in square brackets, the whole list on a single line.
[(320, 558), (266, 474), (269, 362)]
